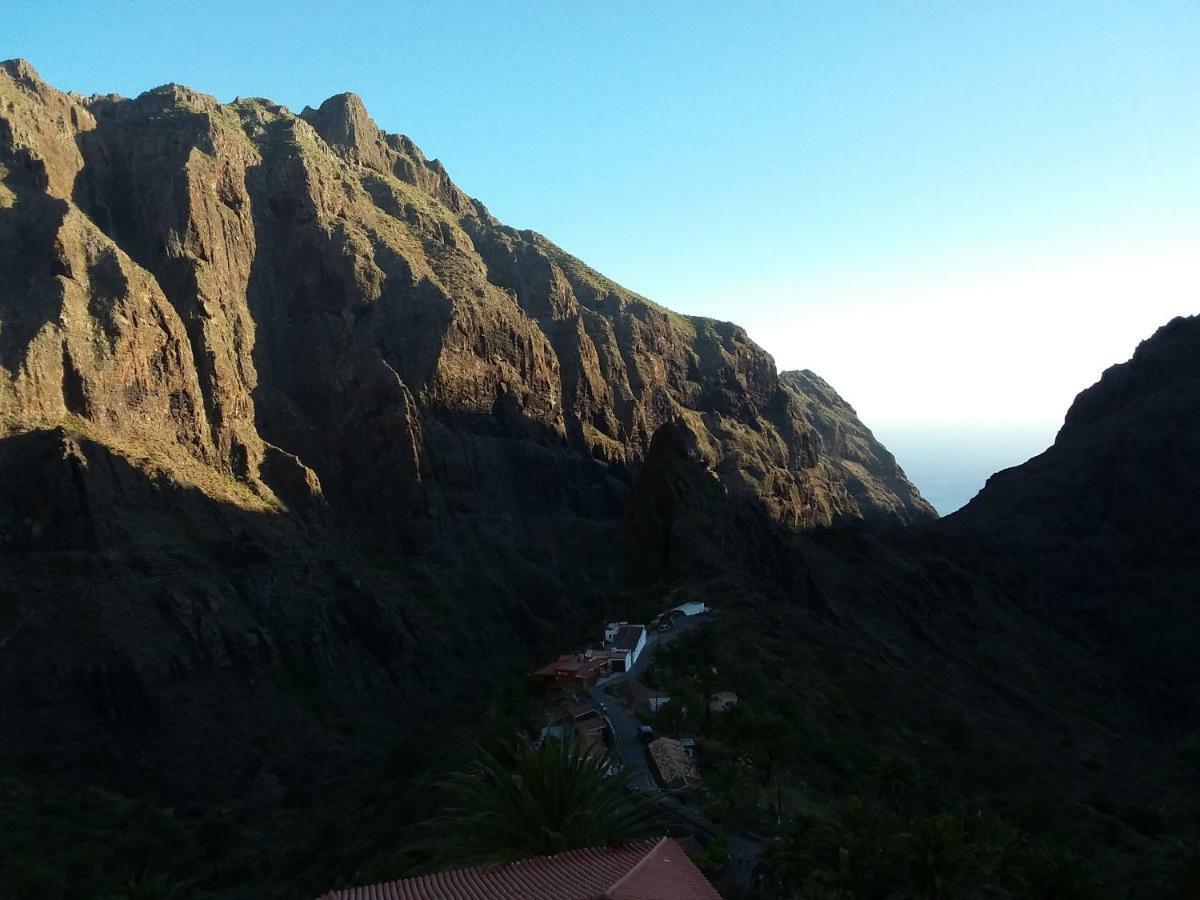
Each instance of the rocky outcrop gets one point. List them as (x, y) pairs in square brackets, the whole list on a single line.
[(850, 456)]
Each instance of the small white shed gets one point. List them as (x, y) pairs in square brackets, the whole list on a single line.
[(691, 608)]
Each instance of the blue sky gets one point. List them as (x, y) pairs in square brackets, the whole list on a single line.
[(958, 213)]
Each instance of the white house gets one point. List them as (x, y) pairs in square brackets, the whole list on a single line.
[(691, 608), (631, 638)]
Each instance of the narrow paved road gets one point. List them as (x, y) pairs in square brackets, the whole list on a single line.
[(744, 851)]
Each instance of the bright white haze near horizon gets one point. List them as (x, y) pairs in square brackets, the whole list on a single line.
[(960, 373), (958, 214)]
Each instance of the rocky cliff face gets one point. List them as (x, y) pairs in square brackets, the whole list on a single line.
[(298, 399), (273, 296)]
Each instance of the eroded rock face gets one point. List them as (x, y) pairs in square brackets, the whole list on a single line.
[(303, 321), (240, 275)]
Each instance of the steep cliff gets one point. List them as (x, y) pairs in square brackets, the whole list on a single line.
[(221, 279), (301, 402)]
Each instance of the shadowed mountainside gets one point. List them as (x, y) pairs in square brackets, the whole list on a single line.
[(1031, 656), (225, 326), (299, 446), (1107, 520)]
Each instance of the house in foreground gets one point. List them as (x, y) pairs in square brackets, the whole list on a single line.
[(657, 869)]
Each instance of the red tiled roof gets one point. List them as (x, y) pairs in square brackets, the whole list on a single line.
[(647, 870), (576, 666), (665, 873)]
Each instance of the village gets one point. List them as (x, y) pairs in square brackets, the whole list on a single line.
[(598, 697)]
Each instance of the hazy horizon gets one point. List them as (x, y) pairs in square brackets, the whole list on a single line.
[(959, 216), (949, 464)]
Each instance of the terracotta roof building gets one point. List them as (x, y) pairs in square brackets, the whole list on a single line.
[(573, 670), (648, 870)]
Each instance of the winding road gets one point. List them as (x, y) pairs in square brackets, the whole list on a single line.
[(744, 851)]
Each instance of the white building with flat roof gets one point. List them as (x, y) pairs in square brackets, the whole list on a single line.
[(691, 608)]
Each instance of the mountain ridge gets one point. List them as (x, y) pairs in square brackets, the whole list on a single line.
[(382, 414), (457, 260)]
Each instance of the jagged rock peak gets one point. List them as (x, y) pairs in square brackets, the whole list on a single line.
[(1164, 361), (20, 70), (343, 122)]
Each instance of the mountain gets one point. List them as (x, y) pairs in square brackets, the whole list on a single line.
[(286, 417), (303, 455), (1107, 520)]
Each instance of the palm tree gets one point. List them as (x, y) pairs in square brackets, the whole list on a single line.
[(731, 783), (850, 853), (771, 737), (1055, 872), (995, 845), (859, 839), (521, 802), (707, 680), (939, 857), (796, 857)]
